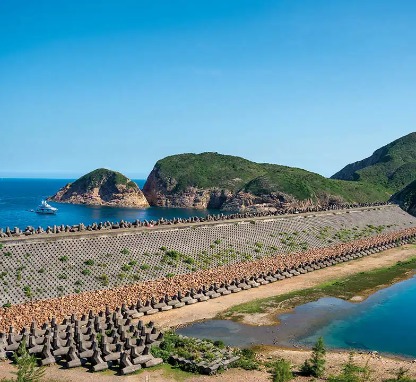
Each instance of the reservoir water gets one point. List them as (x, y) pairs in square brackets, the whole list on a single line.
[(19, 196), (384, 322)]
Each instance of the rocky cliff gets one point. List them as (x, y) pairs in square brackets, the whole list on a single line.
[(102, 187), (212, 180)]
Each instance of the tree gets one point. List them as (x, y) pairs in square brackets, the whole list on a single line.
[(27, 370), (352, 372), (401, 376), (282, 371), (315, 366)]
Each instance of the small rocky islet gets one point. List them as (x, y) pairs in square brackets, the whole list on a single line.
[(102, 187)]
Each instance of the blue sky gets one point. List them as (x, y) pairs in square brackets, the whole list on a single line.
[(314, 84)]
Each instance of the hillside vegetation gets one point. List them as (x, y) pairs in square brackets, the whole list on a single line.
[(303, 185), (392, 166), (180, 180), (97, 177)]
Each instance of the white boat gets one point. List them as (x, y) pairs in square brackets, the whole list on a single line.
[(45, 208)]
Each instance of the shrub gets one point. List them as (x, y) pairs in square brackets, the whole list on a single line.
[(219, 344), (170, 275), (28, 291), (218, 241), (7, 304), (315, 366), (144, 267), (62, 276), (7, 254), (282, 371), (125, 251), (86, 272), (125, 267), (174, 255), (63, 258), (89, 262), (41, 270), (132, 263), (104, 279), (247, 360)]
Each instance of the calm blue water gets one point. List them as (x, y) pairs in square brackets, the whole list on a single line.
[(19, 196), (385, 322)]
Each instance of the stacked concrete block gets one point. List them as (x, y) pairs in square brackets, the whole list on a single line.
[(109, 339)]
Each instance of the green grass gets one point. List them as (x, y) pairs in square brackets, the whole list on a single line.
[(346, 288)]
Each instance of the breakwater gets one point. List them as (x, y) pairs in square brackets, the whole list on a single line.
[(14, 232)]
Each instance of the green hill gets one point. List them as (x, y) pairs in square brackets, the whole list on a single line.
[(194, 180), (102, 187), (392, 166), (207, 170), (97, 177)]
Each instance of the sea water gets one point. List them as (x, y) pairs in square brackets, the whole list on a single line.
[(19, 196), (384, 322)]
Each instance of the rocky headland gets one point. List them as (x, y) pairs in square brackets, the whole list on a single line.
[(104, 188), (230, 183)]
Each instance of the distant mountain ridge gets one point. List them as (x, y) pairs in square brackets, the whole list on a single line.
[(102, 187), (392, 166)]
